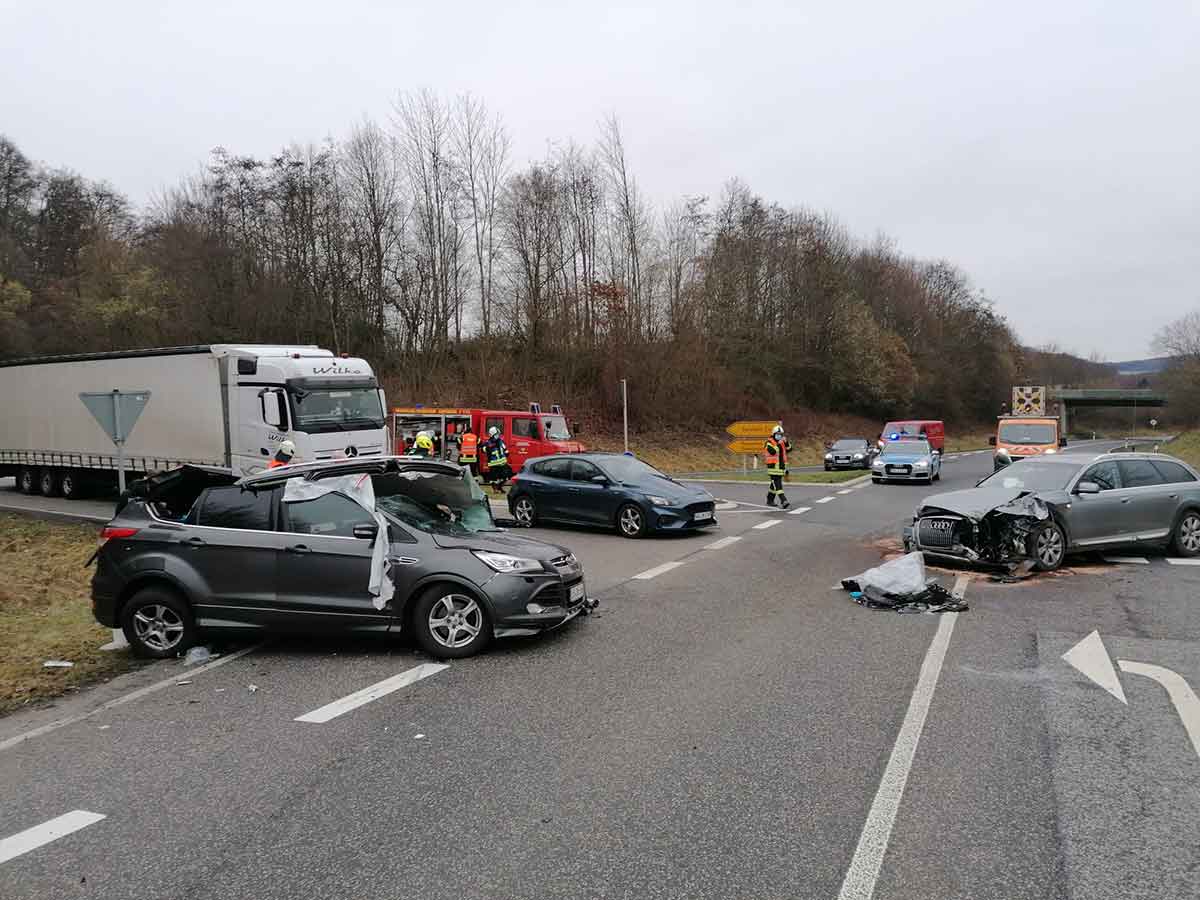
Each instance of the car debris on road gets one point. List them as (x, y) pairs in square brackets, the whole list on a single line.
[(901, 585)]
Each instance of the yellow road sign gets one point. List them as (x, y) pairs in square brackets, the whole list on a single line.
[(751, 429), (747, 445)]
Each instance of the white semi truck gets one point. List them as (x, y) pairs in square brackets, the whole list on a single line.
[(226, 405)]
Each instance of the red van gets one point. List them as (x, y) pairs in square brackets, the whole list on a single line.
[(932, 430), (528, 433)]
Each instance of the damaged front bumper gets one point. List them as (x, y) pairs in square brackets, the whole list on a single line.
[(1002, 536)]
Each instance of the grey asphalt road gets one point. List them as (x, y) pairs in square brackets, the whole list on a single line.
[(720, 728)]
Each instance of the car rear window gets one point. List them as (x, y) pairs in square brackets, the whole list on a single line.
[(554, 468), (1172, 472), (1138, 473), (232, 507)]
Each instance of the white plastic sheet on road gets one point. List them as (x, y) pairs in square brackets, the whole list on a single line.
[(359, 489), (902, 577)]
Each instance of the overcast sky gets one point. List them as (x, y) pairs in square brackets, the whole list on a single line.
[(1050, 149)]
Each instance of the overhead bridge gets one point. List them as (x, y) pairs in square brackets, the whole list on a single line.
[(1068, 398)]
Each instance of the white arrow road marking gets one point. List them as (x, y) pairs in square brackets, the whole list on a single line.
[(859, 883), (657, 570), (1184, 698), (1090, 658), (799, 510), (826, 499), (40, 835), (722, 543), (767, 524), (1128, 560), (374, 692)]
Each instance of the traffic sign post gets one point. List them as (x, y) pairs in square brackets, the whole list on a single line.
[(117, 412)]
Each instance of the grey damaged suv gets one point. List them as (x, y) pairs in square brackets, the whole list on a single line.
[(191, 551)]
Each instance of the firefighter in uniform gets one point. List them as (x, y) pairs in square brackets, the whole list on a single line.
[(283, 455), (775, 454), (423, 445), (468, 450), (497, 460)]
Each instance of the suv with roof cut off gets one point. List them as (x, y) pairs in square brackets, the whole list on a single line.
[(298, 548)]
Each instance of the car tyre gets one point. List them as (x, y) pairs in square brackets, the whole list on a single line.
[(1047, 547), (631, 521), (450, 623), (1186, 539), (525, 511), (49, 483), (158, 623), (27, 481)]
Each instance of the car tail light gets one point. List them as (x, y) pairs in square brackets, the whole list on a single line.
[(111, 533)]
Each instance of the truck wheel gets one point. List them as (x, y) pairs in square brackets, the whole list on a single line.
[(157, 623), (70, 485), (48, 483), (27, 481)]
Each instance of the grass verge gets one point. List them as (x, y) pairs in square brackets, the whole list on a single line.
[(46, 612), (1186, 446)]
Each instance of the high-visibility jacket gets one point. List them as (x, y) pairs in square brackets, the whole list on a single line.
[(497, 452), (468, 447), (775, 455), (275, 464)]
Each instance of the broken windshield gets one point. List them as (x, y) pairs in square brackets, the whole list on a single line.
[(434, 501)]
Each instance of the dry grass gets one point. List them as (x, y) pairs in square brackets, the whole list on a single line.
[(1186, 447), (46, 613)]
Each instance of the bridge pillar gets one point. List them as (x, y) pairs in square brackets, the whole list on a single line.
[(1063, 417)]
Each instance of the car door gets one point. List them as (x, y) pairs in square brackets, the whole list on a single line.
[(1102, 518), (594, 503), (551, 485), (228, 542), (1152, 500), (323, 569)]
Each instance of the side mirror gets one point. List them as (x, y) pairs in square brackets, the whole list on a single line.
[(599, 479), (366, 531), (1087, 487), (272, 404), (992, 441), (1062, 442)]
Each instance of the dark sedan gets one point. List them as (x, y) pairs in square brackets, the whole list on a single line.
[(609, 490), (299, 548), (849, 453)]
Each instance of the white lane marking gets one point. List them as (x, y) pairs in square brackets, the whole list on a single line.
[(722, 543), (846, 491), (1176, 561), (1181, 694), (799, 510), (119, 701), (1091, 658), (657, 570), (767, 524), (826, 499), (374, 692), (39, 835), (1131, 560), (725, 505), (859, 883)]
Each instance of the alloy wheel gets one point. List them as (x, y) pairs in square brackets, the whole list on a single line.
[(631, 520), (1049, 548), (158, 627), (1189, 533), (455, 621), (523, 512)]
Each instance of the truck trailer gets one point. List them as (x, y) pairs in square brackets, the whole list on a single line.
[(224, 405)]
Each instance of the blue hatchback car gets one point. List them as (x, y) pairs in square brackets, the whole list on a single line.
[(610, 490)]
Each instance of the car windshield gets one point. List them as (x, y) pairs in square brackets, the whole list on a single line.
[(434, 501), (899, 428), (1028, 433), (849, 444), (1032, 475), (906, 448), (556, 428), (344, 410), (628, 469)]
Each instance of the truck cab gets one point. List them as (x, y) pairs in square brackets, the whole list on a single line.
[(330, 407), (1020, 437)]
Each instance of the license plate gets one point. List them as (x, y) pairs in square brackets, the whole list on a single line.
[(702, 516), (576, 593)]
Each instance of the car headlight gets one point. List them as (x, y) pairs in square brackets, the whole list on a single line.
[(878, 464), (858, 456), (1050, 450), (658, 501), (829, 456), (502, 562)]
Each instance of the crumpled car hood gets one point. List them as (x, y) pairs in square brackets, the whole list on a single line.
[(502, 542), (975, 503)]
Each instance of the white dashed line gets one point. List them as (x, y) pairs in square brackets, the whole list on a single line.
[(40, 835), (826, 499), (799, 510), (767, 524), (374, 692), (1175, 561), (657, 570), (846, 491), (1131, 560), (722, 543)]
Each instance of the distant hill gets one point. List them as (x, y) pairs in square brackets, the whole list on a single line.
[(1141, 366)]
